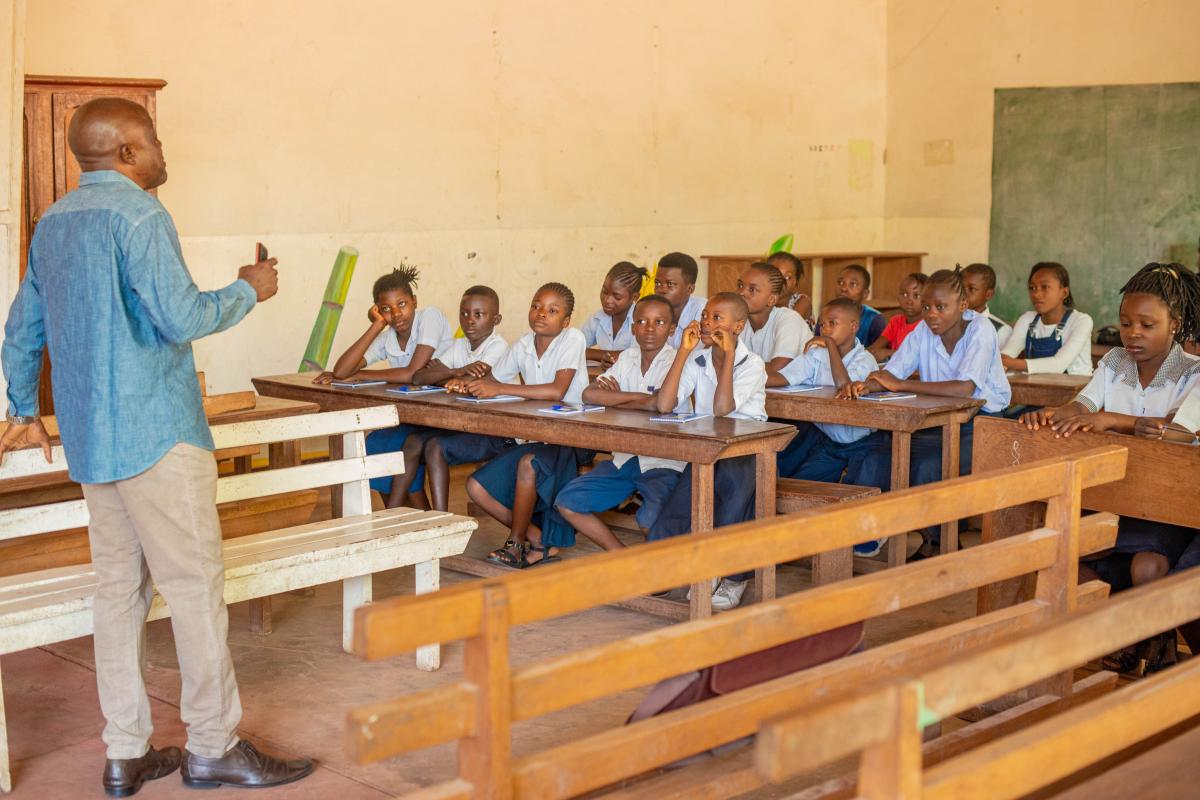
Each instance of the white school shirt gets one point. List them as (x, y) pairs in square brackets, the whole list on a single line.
[(812, 368), (976, 358), (699, 380), (567, 351), (457, 353), (1073, 358), (1003, 329), (1115, 386), (429, 327), (691, 311), (627, 372), (784, 335), (597, 331)]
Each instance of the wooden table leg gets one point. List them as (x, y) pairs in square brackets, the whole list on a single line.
[(901, 452), (335, 499), (764, 506), (702, 522), (951, 434)]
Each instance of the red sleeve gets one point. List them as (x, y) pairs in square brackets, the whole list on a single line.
[(894, 332)]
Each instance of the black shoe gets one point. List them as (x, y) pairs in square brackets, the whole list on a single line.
[(242, 766), (124, 776)]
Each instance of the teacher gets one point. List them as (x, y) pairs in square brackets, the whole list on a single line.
[(108, 292)]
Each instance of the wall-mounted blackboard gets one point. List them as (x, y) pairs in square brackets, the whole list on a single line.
[(1100, 178)]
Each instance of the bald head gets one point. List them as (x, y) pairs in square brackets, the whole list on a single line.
[(117, 134)]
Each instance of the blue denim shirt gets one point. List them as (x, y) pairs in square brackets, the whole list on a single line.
[(108, 292)]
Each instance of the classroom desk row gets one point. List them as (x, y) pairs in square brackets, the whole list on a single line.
[(702, 443)]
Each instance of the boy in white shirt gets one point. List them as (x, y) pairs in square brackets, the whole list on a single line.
[(775, 334), (979, 282), (828, 449), (629, 383), (723, 379), (472, 356), (675, 279)]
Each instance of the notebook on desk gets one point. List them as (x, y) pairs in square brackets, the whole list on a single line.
[(679, 417), (362, 383), (409, 390)]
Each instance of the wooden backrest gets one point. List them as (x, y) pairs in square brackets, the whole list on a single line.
[(885, 723), (353, 471), (479, 709)]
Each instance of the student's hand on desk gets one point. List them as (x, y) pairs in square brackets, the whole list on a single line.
[(887, 380), (324, 379), (607, 383), (477, 369), (691, 337), (1041, 418), (1150, 427), (262, 277), (852, 390), (725, 340), (1096, 423), (1011, 363), (485, 387), (18, 437), (458, 385)]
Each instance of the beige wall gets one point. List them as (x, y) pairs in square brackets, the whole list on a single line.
[(510, 141), (947, 58)]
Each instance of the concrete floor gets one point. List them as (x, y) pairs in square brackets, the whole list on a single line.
[(297, 686)]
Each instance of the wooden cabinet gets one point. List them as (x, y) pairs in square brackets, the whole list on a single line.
[(49, 170), (887, 270)]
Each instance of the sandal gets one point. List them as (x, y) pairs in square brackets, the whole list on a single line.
[(509, 554), (546, 558)]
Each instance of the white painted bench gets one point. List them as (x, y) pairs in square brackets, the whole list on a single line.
[(54, 605)]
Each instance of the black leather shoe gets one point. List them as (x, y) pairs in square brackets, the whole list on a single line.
[(242, 766), (124, 776)]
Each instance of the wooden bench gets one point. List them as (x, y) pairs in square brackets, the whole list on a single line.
[(479, 710), (54, 605), (793, 495), (884, 723)]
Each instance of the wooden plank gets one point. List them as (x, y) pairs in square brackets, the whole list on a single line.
[(260, 432), (891, 768), (641, 660), (1056, 748), (613, 755), (579, 584), (19, 522), (414, 721), (223, 403), (485, 757), (1164, 771), (308, 476)]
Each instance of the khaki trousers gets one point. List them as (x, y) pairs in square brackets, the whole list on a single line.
[(162, 525)]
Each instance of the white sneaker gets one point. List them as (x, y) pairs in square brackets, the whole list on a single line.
[(728, 595), (715, 583)]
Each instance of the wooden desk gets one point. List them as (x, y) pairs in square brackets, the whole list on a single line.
[(1159, 484), (1045, 390), (902, 418), (702, 443)]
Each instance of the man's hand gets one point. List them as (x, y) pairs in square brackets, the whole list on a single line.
[(262, 277), (18, 437)]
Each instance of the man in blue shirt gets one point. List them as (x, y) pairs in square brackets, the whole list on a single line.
[(107, 291)]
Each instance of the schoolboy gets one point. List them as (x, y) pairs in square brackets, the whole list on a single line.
[(471, 356), (831, 449), (979, 281), (714, 368), (675, 279), (855, 282), (631, 382)]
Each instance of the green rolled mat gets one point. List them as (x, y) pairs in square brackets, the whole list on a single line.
[(781, 245), (316, 355)]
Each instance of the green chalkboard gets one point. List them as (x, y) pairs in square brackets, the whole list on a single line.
[(1100, 178)]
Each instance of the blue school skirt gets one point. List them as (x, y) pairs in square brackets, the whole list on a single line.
[(471, 448), (1172, 542), (391, 440), (606, 487), (554, 467)]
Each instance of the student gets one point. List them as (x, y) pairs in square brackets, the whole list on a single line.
[(980, 282), (774, 334), (607, 332), (518, 486), (723, 379), (831, 449), (630, 383), (902, 323), (792, 269), (675, 279), (473, 355), (855, 282), (1054, 337), (955, 352), (1135, 389), (404, 337)]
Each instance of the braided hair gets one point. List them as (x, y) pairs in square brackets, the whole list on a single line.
[(773, 275), (1178, 287), (952, 279), (628, 276), (403, 278), (562, 291)]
